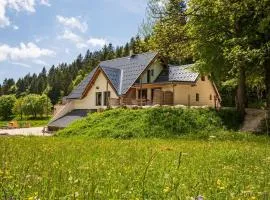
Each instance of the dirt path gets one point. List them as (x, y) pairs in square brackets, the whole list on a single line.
[(253, 120), (37, 131)]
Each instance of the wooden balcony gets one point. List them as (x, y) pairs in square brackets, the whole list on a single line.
[(163, 98)]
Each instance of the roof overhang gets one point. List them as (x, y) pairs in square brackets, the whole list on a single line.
[(92, 82)]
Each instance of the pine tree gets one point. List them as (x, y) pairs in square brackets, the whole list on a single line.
[(126, 50), (1, 92), (7, 86)]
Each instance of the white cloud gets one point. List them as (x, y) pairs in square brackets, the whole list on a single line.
[(74, 38), (21, 64), (96, 42), (81, 42), (73, 23), (40, 62), (45, 2), (4, 21), (24, 51), (68, 35), (15, 27), (19, 6)]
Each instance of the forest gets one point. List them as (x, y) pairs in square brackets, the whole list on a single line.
[(226, 39)]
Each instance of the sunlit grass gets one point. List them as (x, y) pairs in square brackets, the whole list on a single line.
[(83, 168), (33, 122)]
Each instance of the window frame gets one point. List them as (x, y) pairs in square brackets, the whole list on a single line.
[(197, 97), (98, 98)]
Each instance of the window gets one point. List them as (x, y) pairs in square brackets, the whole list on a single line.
[(211, 97), (98, 98), (152, 72), (148, 76), (203, 78), (107, 96), (197, 97)]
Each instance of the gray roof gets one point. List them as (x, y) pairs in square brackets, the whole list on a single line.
[(79, 90), (122, 72), (66, 120), (130, 69), (114, 75), (183, 73)]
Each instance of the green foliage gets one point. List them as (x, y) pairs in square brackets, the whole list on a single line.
[(6, 105), (231, 118), (153, 122), (35, 105), (18, 107), (83, 168), (170, 36)]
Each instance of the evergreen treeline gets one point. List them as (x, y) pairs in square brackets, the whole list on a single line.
[(59, 80)]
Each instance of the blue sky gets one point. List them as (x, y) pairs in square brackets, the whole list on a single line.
[(37, 33)]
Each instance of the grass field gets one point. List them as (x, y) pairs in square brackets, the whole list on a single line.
[(83, 168)]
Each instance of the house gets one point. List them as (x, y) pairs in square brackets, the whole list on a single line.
[(142, 80)]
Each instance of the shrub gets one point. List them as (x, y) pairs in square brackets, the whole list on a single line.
[(231, 119), (6, 105)]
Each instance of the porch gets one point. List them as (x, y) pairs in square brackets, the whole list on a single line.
[(146, 95)]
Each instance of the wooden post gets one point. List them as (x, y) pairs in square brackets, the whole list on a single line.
[(173, 95), (107, 100), (141, 92)]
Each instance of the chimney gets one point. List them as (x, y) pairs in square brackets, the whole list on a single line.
[(132, 55)]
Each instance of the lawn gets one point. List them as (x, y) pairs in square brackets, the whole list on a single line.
[(33, 122), (84, 168)]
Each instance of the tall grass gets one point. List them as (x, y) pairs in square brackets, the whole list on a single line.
[(83, 168)]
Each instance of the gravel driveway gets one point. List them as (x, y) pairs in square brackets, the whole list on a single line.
[(37, 131)]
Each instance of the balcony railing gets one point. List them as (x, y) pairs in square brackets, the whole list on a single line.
[(139, 102)]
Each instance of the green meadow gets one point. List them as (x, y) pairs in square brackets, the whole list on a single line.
[(88, 168)]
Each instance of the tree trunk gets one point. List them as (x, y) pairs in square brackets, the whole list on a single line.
[(241, 92), (267, 83)]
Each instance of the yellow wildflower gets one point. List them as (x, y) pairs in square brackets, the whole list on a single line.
[(166, 190)]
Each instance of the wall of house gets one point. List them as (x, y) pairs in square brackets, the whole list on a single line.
[(186, 94), (157, 67), (89, 101), (60, 111)]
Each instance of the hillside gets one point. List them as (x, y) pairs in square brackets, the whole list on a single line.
[(153, 122)]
